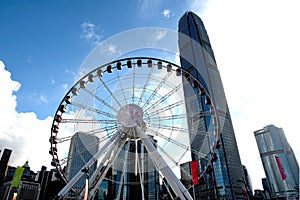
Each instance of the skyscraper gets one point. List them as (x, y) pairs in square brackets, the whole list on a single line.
[(279, 162), (3, 164), (134, 169), (82, 148), (197, 57), (248, 183)]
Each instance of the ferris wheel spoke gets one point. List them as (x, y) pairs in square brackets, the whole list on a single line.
[(161, 164), (140, 175), (169, 127), (63, 139), (63, 160), (89, 121), (167, 155), (164, 98), (123, 171), (133, 83), (153, 94), (169, 107), (108, 129), (122, 89), (166, 118), (145, 86), (110, 92), (183, 146), (182, 155), (70, 156), (199, 115), (169, 94), (85, 107), (167, 186), (176, 162), (179, 144), (115, 139), (117, 148), (100, 100), (194, 116), (100, 173)]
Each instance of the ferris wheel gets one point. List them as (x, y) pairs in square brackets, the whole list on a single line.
[(133, 123)]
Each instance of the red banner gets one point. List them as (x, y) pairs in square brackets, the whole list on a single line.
[(281, 170), (194, 169)]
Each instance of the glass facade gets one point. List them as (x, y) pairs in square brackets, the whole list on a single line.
[(197, 57), (279, 162), (125, 183), (82, 148)]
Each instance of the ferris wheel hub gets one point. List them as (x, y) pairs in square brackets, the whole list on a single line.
[(130, 115)]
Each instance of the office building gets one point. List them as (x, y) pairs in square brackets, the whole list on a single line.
[(133, 171), (197, 57), (83, 147), (266, 190), (25, 190), (279, 162), (20, 180), (247, 182), (49, 183)]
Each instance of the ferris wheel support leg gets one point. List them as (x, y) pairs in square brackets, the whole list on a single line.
[(174, 182), (96, 185), (113, 140)]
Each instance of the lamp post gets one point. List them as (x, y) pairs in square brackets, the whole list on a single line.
[(86, 171)]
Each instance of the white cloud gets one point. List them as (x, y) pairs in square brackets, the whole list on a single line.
[(111, 49), (65, 86), (166, 13), (67, 71), (160, 35), (256, 45), (43, 98), (89, 33), (157, 36), (26, 135), (149, 8)]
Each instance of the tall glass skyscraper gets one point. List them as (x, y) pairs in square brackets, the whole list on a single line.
[(279, 162), (197, 57), (82, 148)]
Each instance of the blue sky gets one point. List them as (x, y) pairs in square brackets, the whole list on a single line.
[(43, 44)]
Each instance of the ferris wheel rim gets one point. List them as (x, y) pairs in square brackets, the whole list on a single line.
[(96, 70)]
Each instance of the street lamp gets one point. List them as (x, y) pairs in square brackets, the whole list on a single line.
[(86, 171)]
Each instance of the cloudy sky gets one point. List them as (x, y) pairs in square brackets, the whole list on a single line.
[(42, 46)]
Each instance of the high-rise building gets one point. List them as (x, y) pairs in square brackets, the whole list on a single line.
[(248, 183), (186, 172), (3, 164), (266, 190), (197, 57), (279, 162), (82, 148), (133, 170), (49, 183)]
